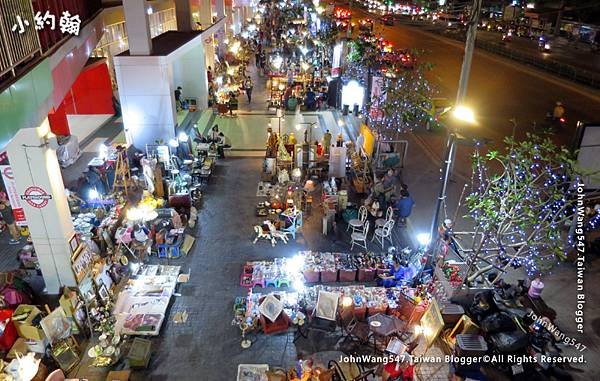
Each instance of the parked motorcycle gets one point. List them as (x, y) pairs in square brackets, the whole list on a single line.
[(507, 37)]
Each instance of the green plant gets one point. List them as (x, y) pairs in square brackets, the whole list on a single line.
[(520, 200)]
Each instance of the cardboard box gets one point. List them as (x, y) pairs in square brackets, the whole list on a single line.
[(25, 327)]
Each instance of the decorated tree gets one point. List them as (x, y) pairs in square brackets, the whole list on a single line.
[(402, 99), (520, 200)]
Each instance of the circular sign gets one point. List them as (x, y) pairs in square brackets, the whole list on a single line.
[(36, 197), (8, 173)]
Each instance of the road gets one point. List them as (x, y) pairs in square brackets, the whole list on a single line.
[(499, 89)]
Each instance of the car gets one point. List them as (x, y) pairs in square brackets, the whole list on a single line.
[(365, 24), (387, 20)]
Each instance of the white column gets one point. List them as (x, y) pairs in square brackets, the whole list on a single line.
[(39, 182), (184, 15), (205, 10), (220, 8), (209, 51), (147, 100), (138, 30)]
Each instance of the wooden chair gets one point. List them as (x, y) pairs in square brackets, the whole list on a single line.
[(358, 223), (383, 233), (360, 238), (352, 328)]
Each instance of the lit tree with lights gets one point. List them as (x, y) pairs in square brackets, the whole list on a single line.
[(405, 100), (520, 211)]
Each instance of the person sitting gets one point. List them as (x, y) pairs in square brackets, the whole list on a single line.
[(396, 274)]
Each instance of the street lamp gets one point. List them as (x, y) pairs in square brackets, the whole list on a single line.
[(461, 116)]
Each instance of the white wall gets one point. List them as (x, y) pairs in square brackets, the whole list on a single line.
[(147, 100), (189, 72)]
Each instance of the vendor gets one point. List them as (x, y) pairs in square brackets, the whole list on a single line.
[(396, 274)]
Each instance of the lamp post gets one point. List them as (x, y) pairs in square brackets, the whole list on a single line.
[(464, 116)]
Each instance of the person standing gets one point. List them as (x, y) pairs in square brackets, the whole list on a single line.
[(327, 141), (248, 86), (178, 98), (233, 103), (9, 219), (404, 205)]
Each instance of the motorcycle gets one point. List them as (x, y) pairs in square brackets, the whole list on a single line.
[(544, 45), (507, 37)]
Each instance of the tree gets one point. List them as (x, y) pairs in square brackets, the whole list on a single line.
[(405, 99), (519, 212)]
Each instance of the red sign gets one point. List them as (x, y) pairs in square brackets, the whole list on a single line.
[(13, 195), (36, 197)]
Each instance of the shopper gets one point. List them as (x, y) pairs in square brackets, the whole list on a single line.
[(178, 98), (248, 86), (404, 205), (233, 103), (9, 219)]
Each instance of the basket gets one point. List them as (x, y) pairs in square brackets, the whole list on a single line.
[(366, 275), (347, 275), (311, 276), (371, 311), (329, 276)]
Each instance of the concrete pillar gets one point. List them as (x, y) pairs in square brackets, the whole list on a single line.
[(205, 11), (138, 29), (209, 52), (184, 15), (147, 101), (39, 183), (220, 8)]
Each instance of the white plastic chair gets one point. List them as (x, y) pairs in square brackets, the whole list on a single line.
[(357, 224), (389, 215), (383, 233), (360, 236)]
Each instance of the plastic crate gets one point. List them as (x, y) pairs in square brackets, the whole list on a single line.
[(470, 345), (347, 275), (329, 276)]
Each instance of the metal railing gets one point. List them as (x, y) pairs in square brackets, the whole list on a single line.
[(16, 45), (570, 72)]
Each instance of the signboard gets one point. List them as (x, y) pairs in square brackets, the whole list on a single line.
[(36, 197), (336, 66), (13, 195), (432, 322)]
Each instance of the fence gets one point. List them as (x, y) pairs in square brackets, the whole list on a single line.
[(18, 38), (567, 71)]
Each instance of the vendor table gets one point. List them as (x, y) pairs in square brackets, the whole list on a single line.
[(384, 327), (141, 306)]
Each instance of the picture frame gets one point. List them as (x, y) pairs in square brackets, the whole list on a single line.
[(74, 244), (103, 292), (327, 304), (81, 262)]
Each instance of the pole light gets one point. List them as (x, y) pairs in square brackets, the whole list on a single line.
[(462, 116)]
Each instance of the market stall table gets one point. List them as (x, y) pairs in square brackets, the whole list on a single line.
[(384, 327)]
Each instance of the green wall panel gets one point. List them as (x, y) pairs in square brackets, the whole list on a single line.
[(20, 102)]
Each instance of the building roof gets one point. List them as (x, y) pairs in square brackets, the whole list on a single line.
[(166, 43)]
